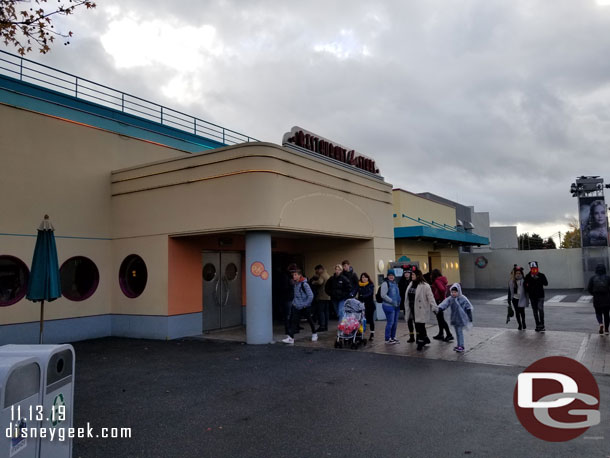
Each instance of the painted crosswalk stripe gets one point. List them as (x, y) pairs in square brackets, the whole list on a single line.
[(584, 299), (498, 299), (557, 298)]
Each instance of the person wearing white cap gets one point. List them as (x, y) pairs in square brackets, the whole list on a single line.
[(534, 284)]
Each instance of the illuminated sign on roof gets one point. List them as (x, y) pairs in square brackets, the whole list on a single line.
[(313, 142)]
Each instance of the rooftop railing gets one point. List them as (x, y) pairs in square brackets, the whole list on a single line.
[(48, 77)]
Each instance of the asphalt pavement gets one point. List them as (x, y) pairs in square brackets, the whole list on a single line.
[(201, 398), (566, 315)]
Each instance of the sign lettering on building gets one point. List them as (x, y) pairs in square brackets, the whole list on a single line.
[(304, 139)]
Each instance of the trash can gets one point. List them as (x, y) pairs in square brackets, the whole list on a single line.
[(57, 387), (20, 406)]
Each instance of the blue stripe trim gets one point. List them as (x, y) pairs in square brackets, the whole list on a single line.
[(439, 234), (57, 236), (72, 329), (36, 98)]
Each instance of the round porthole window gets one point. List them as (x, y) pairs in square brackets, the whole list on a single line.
[(14, 276), (79, 278), (133, 276), (231, 272), (209, 272)]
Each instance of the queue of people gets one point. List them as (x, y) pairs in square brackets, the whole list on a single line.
[(419, 296), (312, 300)]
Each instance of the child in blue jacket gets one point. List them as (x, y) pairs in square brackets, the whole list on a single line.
[(461, 313)]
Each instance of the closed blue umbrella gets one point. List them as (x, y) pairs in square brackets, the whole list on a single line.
[(44, 283)]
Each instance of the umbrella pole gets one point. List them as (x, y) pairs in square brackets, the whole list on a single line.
[(41, 320)]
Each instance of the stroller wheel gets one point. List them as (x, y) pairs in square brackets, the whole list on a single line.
[(364, 342), (336, 344)]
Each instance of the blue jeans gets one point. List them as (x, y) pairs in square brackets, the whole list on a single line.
[(391, 316), (339, 309), (459, 332)]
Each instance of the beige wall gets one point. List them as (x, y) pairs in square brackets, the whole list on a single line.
[(250, 186), (55, 166), (154, 252), (417, 207), (563, 268), (64, 169)]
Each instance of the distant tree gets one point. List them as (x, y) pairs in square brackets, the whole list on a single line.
[(524, 241), (531, 242), (536, 242), (572, 238), (549, 244), (25, 23)]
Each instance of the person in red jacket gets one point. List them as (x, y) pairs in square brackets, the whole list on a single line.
[(439, 290)]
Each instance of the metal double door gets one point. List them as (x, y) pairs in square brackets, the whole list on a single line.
[(222, 306)]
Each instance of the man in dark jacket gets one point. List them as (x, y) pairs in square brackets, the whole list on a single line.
[(599, 288), (348, 271), (341, 290), (534, 284)]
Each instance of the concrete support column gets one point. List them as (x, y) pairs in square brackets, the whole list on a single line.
[(259, 320)]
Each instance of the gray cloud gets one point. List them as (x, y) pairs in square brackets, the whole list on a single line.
[(499, 103)]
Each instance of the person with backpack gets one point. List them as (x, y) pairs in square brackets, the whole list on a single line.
[(366, 293), (534, 284), (301, 307), (341, 291), (599, 288), (420, 295), (389, 296)]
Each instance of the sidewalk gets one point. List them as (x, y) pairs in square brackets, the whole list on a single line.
[(506, 347)]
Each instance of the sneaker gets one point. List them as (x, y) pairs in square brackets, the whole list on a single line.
[(411, 339), (395, 341), (439, 337), (372, 336), (537, 329), (455, 348), (448, 339), (460, 349), (601, 328), (607, 332), (542, 329), (288, 340), (321, 329), (314, 337), (519, 328), (389, 342)]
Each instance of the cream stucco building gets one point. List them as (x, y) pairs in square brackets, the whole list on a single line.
[(163, 233)]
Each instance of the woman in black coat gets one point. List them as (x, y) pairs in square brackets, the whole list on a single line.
[(366, 294)]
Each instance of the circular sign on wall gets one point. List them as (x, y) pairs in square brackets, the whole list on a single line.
[(481, 262)]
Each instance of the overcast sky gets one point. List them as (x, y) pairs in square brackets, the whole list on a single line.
[(496, 104)]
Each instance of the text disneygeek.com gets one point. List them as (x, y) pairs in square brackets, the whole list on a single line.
[(61, 434)]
